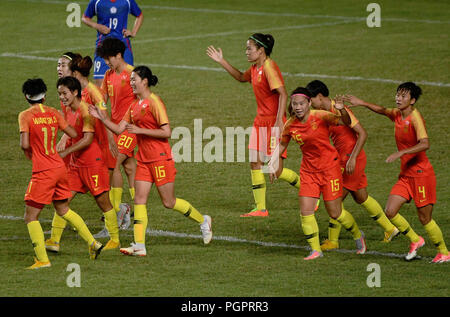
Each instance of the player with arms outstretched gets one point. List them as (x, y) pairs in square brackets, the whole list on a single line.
[(349, 142), (417, 180), (271, 99), (320, 170)]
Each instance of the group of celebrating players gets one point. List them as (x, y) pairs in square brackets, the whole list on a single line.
[(97, 142)]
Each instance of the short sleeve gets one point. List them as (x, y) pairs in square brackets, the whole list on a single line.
[(329, 117), (90, 10), (159, 112), (285, 135), (23, 122), (273, 75), (248, 75), (391, 113), (354, 120), (419, 125), (62, 123), (97, 98), (88, 120), (104, 86), (134, 8)]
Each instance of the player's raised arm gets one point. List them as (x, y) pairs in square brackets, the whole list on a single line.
[(354, 101), (344, 118), (217, 56)]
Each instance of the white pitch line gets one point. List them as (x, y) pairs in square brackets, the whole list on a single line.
[(215, 69), (171, 234), (260, 13), (197, 36)]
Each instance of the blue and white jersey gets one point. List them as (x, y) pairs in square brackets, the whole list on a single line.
[(113, 14)]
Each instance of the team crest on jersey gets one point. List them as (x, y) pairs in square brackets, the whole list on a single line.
[(406, 127), (113, 10), (259, 75), (314, 125)]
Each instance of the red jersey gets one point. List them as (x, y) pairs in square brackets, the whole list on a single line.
[(408, 132), (150, 114), (265, 80), (313, 138), (91, 95), (42, 124), (344, 137), (83, 122), (117, 87)]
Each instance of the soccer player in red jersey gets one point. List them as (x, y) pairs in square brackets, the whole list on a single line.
[(320, 170), (58, 223), (80, 68), (147, 118), (39, 125), (116, 87), (349, 142), (271, 99), (88, 170), (417, 180), (63, 70)]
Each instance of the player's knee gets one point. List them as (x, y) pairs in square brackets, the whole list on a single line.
[(168, 203), (129, 166), (390, 213), (424, 218)]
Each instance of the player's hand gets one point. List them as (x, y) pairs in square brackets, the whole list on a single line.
[(391, 158), (113, 148), (350, 166), (354, 101), (128, 33), (96, 113), (61, 146), (273, 163), (215, 54), (133, 129), (103, 29), (279, 125), (63, 153), (339, 105)]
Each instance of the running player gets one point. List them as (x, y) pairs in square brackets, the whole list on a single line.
[(349, 142), (320, 171), (116, 87), (112, 21), (271, 99), (39, 125), (417, 180), (147, 118)]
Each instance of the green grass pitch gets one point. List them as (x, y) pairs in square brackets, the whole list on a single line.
[(327, 40)]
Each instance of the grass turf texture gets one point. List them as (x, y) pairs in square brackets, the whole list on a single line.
[(406, 47)]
